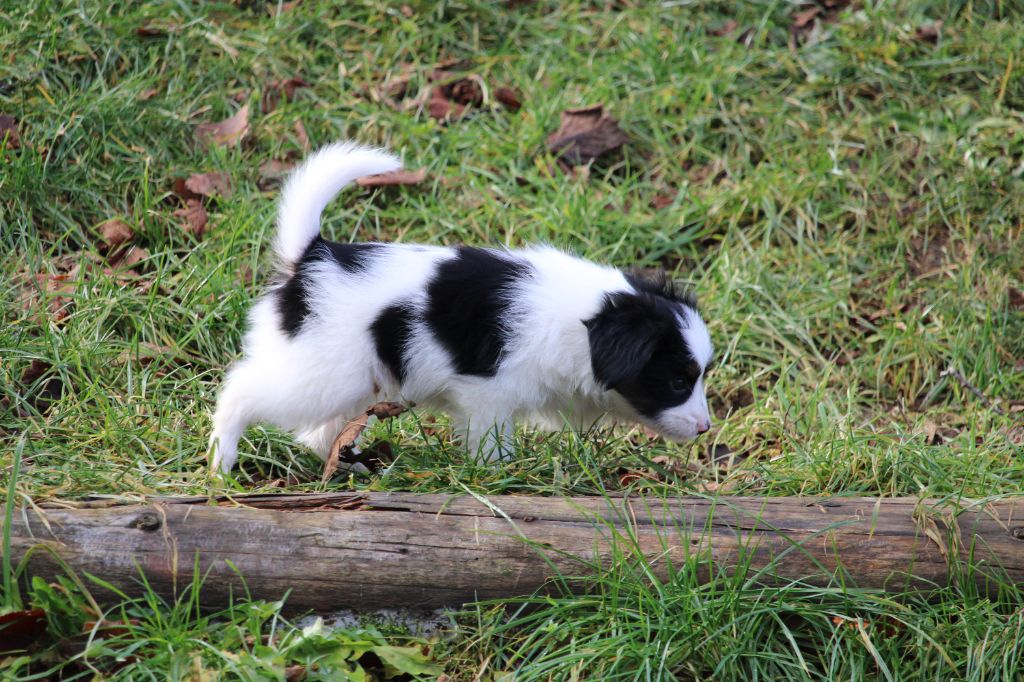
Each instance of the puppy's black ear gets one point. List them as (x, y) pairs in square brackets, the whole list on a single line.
[(623, 336)]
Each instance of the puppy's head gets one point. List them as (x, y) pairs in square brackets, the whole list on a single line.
[(651, 346)]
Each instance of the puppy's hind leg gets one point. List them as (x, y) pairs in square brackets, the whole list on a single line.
[(320, 438), (229, 422)]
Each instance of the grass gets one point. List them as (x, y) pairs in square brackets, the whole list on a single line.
[(848, 207)]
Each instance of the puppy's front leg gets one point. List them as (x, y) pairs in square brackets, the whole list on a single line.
[(487, 437)]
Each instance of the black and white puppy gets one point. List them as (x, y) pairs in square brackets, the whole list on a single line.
[(490, 336)]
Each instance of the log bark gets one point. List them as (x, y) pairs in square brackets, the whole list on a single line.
[(376, 550)]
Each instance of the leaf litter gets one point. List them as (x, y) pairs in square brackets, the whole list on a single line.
[(451, 91), (226, 133), (343, 446), (585, 135)]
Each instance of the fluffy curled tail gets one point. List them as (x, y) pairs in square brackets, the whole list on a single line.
[(314, 184)]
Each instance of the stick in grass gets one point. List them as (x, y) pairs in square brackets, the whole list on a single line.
[(958, 375)]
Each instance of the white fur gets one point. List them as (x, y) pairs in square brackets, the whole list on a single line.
[(329, 373)]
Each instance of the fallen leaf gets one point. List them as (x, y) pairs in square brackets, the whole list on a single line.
[(929, 33), (278, 90), (131, 257), (115, 233), (209, 184), (719, 454), (585, 135), (182, 191), (1016, 298), (1016, 434), (509, 98), (275, 8), (811, 14), (927, 250), (193, 216), (664, 199), (398, 177), (454, 93), (725, 29), (629, 477), (350, 434), (224, 133), (303, 137), (273, 173), (58, 289), (715, 171), (295, 673), (22, 628), (150, 31), (9, 132), (746, 37), (804, 18), (395, 87), (441, 108)]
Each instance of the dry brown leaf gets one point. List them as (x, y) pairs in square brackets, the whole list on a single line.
[(715, 171), (151, 31), (585, 135), (398, 177), (929, 33), (115, 233), (224, 133), (453, 95), (275, 8), (273, 173), (22, 628), (805, 17), (350, 434), (131, 257), (303, 137), (509, 98), (181, 189), (295, 673), (277, 90), (1016, 434), (1016, 298), (664, 199), (9, 132), (208, 185), (48, 391), (441, 108), (193, 217), (725, 29), (927, 250)]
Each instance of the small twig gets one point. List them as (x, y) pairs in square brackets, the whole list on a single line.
[(952, 371)]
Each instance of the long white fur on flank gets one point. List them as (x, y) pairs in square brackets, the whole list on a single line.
[(312, 186)]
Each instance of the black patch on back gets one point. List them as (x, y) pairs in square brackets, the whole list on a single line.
[(351, 257), (293, 295), (638, 350), (391, 331), (468, 301)]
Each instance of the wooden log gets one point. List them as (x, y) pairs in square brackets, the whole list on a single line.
[(375, 550)]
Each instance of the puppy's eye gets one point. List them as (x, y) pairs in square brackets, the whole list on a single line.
[(679, 385)]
